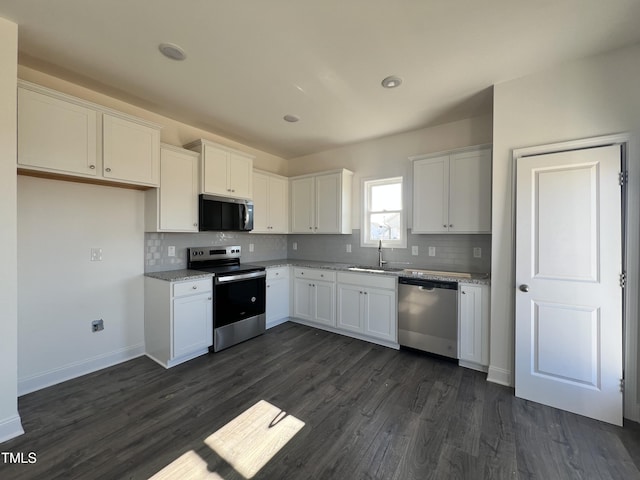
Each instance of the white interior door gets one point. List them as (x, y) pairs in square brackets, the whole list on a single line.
[(568, 293)]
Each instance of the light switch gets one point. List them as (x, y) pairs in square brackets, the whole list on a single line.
[(295, 245), (96, 254), (171, 251), (414, 250), (477, 252), (432, 251), (251, 247), (348, 248)]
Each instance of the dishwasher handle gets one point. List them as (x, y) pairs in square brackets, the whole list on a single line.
[(428, 285)]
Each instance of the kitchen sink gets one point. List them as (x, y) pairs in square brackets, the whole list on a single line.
[(373, 269)]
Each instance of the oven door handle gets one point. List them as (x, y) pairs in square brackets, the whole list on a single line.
[(240, 276)]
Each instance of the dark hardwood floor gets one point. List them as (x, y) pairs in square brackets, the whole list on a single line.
[(369, 412)]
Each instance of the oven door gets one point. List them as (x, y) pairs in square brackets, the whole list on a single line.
[(238, 297)]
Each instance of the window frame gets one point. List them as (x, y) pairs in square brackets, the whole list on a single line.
[(367, 185)]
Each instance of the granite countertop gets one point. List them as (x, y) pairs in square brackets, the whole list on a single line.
[(474, 278), (178, 275)]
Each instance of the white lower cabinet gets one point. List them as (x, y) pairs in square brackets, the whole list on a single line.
[(367, 305), (178, 319), (277, 310), (314, 296), (473, 334), (358, 305)]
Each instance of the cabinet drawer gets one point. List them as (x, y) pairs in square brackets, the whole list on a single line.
[(192, 286), (376, 281), (313, 274), (277, 272)]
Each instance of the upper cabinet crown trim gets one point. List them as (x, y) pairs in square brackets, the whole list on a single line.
[(457, 151), (324, 172), (85, 103), (197, 145)]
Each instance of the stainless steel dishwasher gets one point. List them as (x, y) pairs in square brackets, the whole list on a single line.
[(428, 315)]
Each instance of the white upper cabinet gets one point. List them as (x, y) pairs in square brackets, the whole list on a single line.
[(131, 151), (452, 192), (224, 171), (321, 203), (62, 135), (56, 135), (174, 206), (270, 203)]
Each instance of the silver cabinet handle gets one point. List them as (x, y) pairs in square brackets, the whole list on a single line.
[(107, 169), (195, 224), (463, 292), (195, 287), (444, 226), (209, 298), (92, 167), (524, 288), (450, 225)]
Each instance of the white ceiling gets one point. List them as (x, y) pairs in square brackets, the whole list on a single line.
[(250, 62)]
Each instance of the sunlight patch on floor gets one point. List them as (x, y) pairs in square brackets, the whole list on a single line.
[(251, 439), (187, 467)]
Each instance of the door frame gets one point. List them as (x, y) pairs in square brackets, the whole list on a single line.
[(631, 248)]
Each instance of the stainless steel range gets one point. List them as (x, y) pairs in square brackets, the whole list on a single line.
[(239, 294)]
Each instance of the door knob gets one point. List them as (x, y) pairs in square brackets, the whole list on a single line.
[(524, 288)]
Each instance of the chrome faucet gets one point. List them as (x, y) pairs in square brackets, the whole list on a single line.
[(380, 261)]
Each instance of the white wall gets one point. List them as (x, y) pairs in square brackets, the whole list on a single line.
[(389, 156), (60, 291), (9, 420), (589, 98)]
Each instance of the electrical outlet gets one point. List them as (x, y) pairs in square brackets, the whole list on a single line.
[(432, 251), (414, 250), (294, 245), (477, 252), (171, 251), (96, 254), (251, 247), (97, 325), (348, 248)]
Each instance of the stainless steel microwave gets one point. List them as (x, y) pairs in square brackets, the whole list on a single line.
[(220, 214)]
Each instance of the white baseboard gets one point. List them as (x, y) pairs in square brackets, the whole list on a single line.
[(275, 323), (77, 369), (500, 376), (473, 366), (10, 428)]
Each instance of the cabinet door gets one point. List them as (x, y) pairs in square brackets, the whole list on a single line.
[(431, 195), (261, 203), (278, 211), (470, 192), (380, 314), (474, 332), (214, 171), (302, 299), (324, 302), (277, 299), (240, 176), (131, 151), (350, 300), (302, 205), (178, 191), (328, 204), (192, 324), (56, 135)]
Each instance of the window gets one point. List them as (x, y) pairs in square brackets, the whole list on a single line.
[(383, 213)]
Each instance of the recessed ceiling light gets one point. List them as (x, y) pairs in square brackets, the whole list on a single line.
[(172, 51), (291, 118), (391, 82)]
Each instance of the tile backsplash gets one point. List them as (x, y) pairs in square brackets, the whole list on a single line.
[(265, 247), (452, 252)]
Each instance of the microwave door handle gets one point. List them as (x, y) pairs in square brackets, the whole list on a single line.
[(245, 208), (241, 217)]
